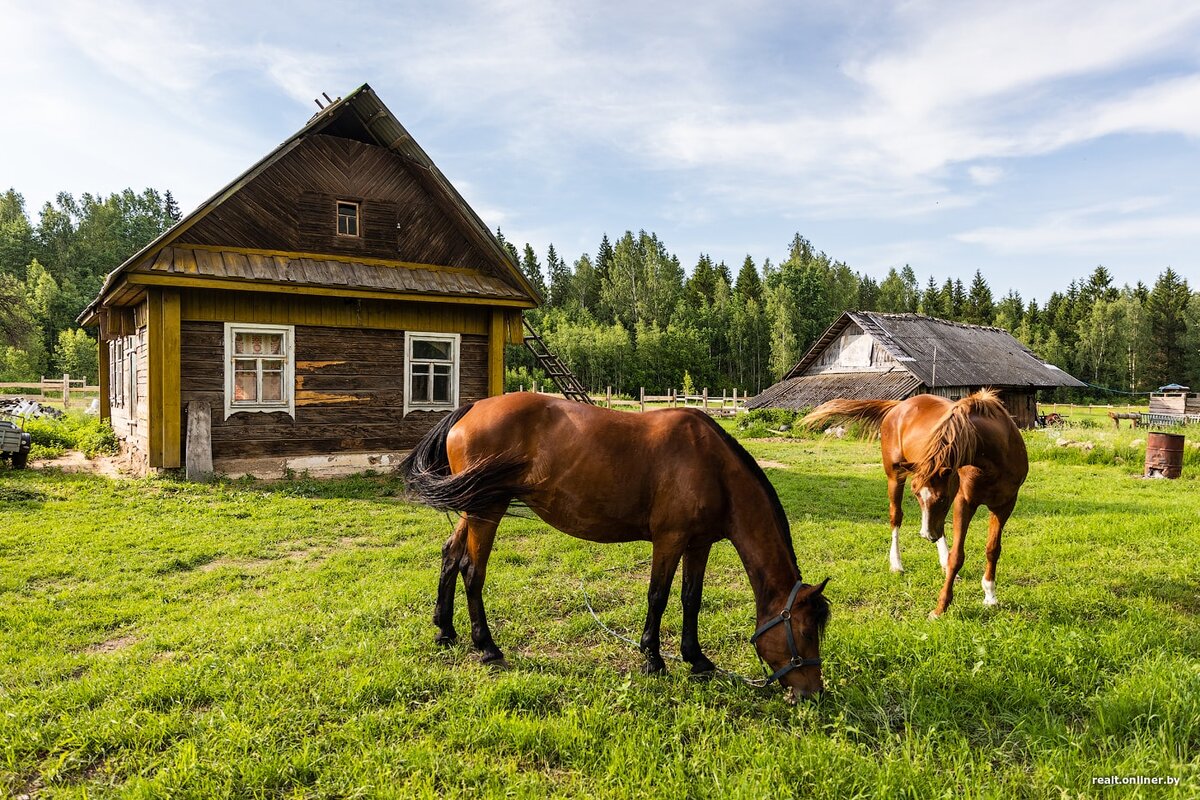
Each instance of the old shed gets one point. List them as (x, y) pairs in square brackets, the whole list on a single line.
[(868, 355), (328, 306)]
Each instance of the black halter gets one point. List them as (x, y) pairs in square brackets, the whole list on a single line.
[(784, 616)]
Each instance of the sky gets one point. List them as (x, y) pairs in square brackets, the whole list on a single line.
[(1030, 140)]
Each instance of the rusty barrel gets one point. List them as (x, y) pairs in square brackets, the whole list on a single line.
[(1164, 455)]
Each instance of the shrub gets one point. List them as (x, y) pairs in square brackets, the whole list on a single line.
[(73, 431)]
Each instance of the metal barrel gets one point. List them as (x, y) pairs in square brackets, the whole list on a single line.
[(1164, 455)]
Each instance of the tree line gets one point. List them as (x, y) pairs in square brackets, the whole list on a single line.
[(50, 270), (631, 315)]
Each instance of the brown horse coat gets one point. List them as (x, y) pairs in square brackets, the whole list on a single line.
[(671, 477), (967, 453)]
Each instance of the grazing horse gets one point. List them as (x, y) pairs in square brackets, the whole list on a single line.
[(672, 477), (968, 453)]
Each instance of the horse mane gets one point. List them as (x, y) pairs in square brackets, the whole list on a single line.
[(748, 461), (870, 412), (427, 477), (953, 440)]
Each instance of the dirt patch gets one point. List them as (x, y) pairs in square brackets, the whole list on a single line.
[(77, 462), (768, 464), (112, 645)]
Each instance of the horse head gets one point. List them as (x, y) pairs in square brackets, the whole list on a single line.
[(790, 643), (935, 491)]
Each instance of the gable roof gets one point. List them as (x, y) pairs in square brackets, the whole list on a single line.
[(363, 117), (943, 353)]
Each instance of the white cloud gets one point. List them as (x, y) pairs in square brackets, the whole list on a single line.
[(985, 175)]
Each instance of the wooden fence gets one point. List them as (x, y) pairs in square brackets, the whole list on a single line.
[(56, 388), (725, 405)]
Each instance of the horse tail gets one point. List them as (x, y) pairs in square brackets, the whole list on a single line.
[(954, 438), (870, 412), (428, 479)]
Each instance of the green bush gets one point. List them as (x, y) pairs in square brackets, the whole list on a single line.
[(74, 431)]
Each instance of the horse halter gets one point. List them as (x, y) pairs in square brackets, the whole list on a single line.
[(783, 616)]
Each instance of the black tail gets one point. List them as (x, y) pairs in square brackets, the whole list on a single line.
[(427, 477)]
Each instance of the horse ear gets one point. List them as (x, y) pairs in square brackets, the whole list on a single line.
[(820, 587), (944, 473)]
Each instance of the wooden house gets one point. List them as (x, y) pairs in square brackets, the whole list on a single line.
[(328, 305), (868, 355)]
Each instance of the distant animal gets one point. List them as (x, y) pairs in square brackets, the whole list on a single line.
[(967, 454), (671, 477)]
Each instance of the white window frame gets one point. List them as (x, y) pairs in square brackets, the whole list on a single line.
[(410, 338), (288, 404)]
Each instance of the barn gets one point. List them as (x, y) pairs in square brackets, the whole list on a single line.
[(320, 313), (868, 355)]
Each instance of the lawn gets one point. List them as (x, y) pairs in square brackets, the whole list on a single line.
[(252, 640)]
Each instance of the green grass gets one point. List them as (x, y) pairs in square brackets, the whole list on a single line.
[(159, 639)]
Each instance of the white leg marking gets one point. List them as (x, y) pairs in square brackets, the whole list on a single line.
[(894, 555), (943, 552), (989, 593), (924, 501)]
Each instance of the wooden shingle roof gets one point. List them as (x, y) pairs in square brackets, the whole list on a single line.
[(360, 116), (942, 353)]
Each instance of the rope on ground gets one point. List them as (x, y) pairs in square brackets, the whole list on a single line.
[(754, 683)]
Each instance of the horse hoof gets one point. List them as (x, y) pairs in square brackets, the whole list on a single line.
[(991, 602), (446, 639), (497, 664), (704, 669), (935, 614), (898, 570), (654, 668)]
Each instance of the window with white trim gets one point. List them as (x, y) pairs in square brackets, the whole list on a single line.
[(431, 371), (260, 368)]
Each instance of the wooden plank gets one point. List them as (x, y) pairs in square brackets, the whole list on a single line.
[(199, 465), (154, 400), (172, 410), (142, 279), (496, 343), (105, 401)]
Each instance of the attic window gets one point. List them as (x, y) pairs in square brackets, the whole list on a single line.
[(347, 218)]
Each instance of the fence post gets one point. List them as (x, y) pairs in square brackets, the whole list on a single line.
[(608, 397), (66, 390), (642, 397), (735, 399), (705, 395)]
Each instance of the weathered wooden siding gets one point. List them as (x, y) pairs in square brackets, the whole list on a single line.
[(349, 393), (287, 309), (291, 207)]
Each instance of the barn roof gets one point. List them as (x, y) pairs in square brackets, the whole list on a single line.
[(807, 391), (363, 117), (943, 353)]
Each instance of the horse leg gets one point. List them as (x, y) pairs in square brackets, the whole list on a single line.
[(443, 611), (999, 516), (963, 512), (695, 560), (664, 561), (481, 532), (895, 516)]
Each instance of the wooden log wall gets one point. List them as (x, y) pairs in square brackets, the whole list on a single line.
[(291, 207), (349, 393)]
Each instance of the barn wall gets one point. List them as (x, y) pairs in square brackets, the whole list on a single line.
[(291, 207), (349, 392), (852, 351)]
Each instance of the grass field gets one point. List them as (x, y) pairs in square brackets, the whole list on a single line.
[(159, 639)]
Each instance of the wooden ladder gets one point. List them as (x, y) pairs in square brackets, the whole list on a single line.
[(563, 378)]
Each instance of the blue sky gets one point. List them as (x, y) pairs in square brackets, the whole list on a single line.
[(1032, 141)]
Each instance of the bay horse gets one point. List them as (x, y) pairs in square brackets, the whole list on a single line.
[(672, 477), (967, 453)]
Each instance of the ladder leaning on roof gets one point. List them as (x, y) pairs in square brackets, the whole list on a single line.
[(562, 376)]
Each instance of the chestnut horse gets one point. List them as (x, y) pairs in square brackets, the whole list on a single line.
[(671, 477), (967, 452)]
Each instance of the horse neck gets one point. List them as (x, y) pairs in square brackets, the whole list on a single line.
[(763, 547)]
